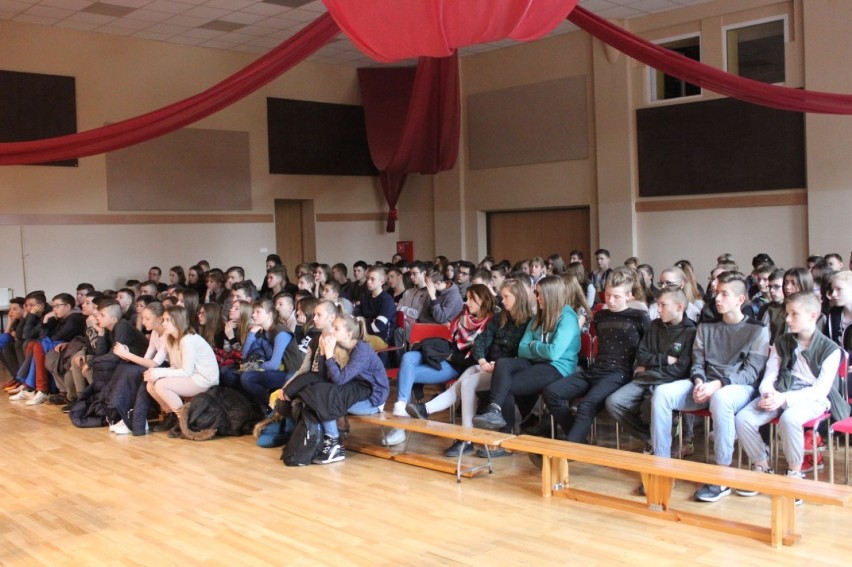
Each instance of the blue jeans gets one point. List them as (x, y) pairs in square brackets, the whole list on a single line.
[(258, 384), (724, 405), (364, 407), (412, 371)]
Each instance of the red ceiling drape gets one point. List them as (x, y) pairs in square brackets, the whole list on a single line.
[(413, 120), (170, 118), (391, 30), (705, 76)]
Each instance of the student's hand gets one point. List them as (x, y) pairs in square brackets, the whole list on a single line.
[(327, 344), (60, 347), (149, 376), (638, 369), (85, 368), (229, 329), (671, 360), (121, 351), (282, 395), (255, 329), (48, 317), (771, 401), (703, 392), (430, 289)]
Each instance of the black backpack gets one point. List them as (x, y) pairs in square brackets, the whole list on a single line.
[(306, 440)]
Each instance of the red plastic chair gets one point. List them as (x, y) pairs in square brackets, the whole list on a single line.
[(843, 426)]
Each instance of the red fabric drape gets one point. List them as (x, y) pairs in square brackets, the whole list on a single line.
[(413, 120), (170, 118), (705, 76), (391, 30)]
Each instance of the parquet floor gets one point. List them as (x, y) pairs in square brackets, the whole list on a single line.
[(87, 497)]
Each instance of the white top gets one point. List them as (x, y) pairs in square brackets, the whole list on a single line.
[(157, 349), (193, 358), (806, 386)]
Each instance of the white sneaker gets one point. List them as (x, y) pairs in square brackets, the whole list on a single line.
[(399, 409), (394, 437), (38, 398), (120, 428), (22, 395)]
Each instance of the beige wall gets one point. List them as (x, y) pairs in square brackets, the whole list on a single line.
[(118, 78)]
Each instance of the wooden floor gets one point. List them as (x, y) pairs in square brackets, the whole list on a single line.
[(88, 497)]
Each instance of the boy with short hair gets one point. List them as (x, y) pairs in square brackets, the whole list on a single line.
[(602, 257), (619, 330), (464, 271), (834, 261), (664, 355), (378, 309), (359, 272), (773, 314), (800, 383), (538, 269), (331, 292), (728, 355), (839, 320)]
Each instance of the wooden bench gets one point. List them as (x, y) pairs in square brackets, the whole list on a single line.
[(433, 428), (658, 476)]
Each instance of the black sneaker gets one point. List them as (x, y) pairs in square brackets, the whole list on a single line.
[(495, 452), (711, 493), (463, 447), (57, 400), (332, 451), (749, 493), (417, 411), (492, 419)]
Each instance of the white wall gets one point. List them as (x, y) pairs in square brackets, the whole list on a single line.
[(700, 236)]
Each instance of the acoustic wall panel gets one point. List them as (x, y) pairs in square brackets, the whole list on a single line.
[(537, 123), (187, 170)]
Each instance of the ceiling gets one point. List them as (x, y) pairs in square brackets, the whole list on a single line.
[(250, 26)]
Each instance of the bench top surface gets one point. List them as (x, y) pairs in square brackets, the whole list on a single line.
[(780, 485), (436, 428)]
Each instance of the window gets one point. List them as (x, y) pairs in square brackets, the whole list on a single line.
[(666, 87), (756, 51)]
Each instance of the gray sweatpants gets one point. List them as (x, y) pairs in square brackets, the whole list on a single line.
[(751, 417)]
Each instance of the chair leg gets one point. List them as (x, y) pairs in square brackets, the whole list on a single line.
[(617, 436), (830, 458), (706, 439), (679, 435)]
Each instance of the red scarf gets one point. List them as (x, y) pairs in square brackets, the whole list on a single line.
[(465, 328)]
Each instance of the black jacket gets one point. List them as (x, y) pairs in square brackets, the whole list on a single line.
[(660, 342)]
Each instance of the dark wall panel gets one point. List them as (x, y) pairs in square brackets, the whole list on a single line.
[(719, 146), (317, 138), (35, 106)]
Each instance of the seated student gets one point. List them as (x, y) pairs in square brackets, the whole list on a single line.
[(350, 378), (149, 288), (415, 368), (671, 279), (499, 271), (576, 269), (275, 281), (188, 298), (548, 351), (211, 325), (800, 383), (339, 273), (647, 273), (330, 291), (413, 302), (834, 261), (215, 292), (728, 356), (7, 339), (359, 272), (241, 291), (619, 330), (378, 309), (235, 275), (236, 331), (445, 303), (60, 326), (449, 270), (272, 260), (127, 300), (154, 275), (499, 339), (759, 293), (128, 376), (839, 321), (322, 274), (195, 278), (664, 355), (396, 284), (177, 277), (307, 283), (483, 277), (35, 309), (773, 314), (821, 274), (76, 381), (599, 276), (639, 293), (576, 299), (192, 369), (82, 290), (285, 311), (263, 350), (555, 265), (463, 275), (538, 269)]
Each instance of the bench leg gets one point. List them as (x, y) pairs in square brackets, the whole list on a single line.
[(658, 491), (554, 475), (783, 528)]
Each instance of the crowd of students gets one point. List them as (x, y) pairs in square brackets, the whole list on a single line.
[(748, 348)]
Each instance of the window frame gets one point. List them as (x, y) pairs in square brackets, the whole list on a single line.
[(652, 94), (755, 22)]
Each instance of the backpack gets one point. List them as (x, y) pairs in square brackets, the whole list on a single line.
[(306, 440), (218, 411)]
